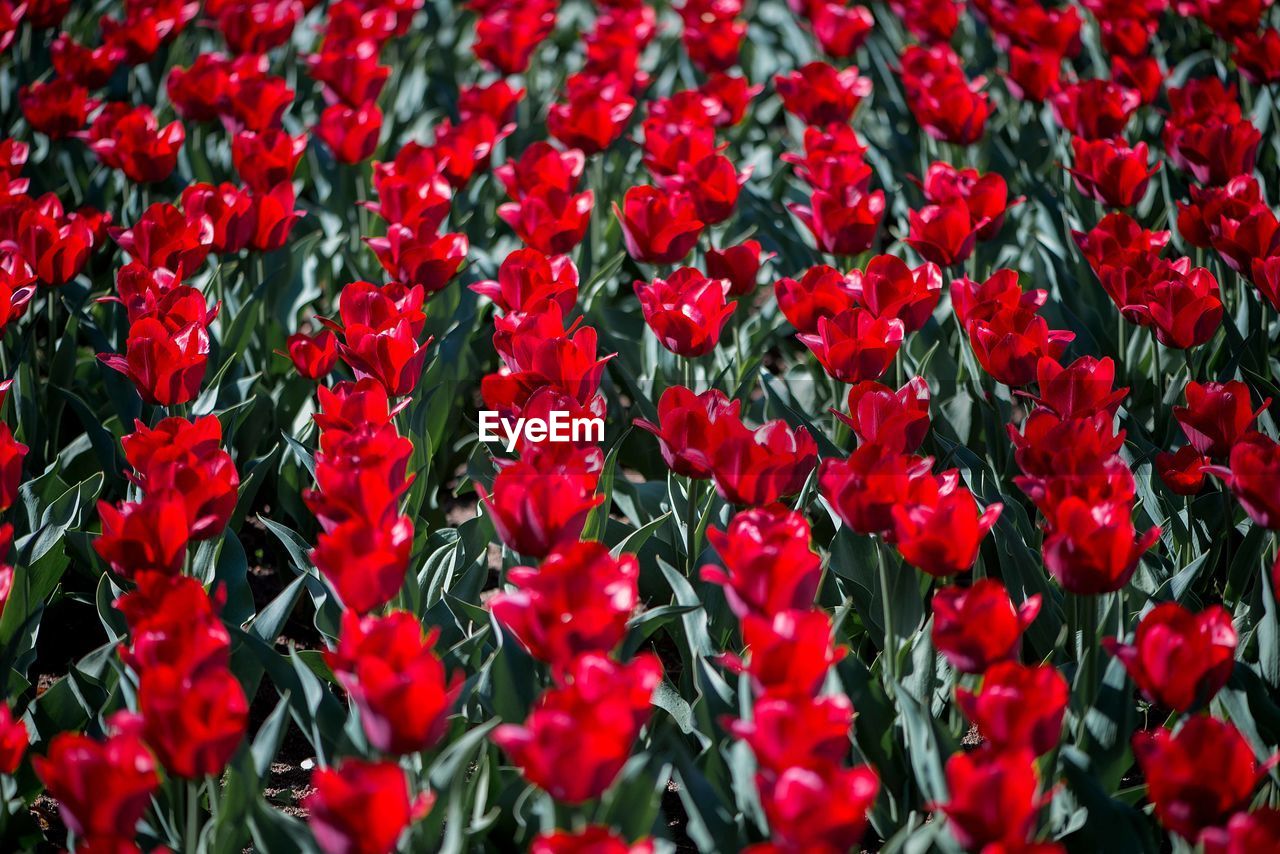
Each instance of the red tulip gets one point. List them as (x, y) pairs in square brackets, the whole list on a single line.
[(56, 108), (256, 101), (353, 75), (897, 421), (549, 220), (658, 227), (942, 534), (187, 457), (314, 356), (199, 92), (165, 237), (999, 294), (498, 101), (1244, 833), (144, 536), (1011, 344), (834, 159), (789, 654), (686, 428), (1094, 109), (1093, 549), (1198, 776), (739, 265), (419, 256), (338, 808), (594, 115), (173, 624), (528, 277), (855, 345), (1082, 389), (165, 366), (578, 600), (1111, 172), (130, 139), (538, 503), (14, 741), (821, 292), (797, 732), (1182, 472), (539, 168), (984, 195), (273, 217), (839, 29), (889, 288), (463, 150), (90, 67), (769, 565), (57, 251), (1018, 707), (843, 222), (1217, 415), (1034, 74), (864, 488), (1179, 659), (506, 37), (993, 798), (824, 809), (264, 160), (351, 133), (103, 788), (757, 467), (365, 563), (819, 94), (193, 722), (944, 234), (396, 679), (686, 311), (1182, 305), (977, 627), (1257, 56), (580, 733), (592, 839)]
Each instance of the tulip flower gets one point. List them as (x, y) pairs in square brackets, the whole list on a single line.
[(686, 311), (819, 94), (1245, 832), (102, 788), (843, 222), (986, 195), (395, 678), (769, 566), (942, 534), (993, 797), (738, 265), (549, 220), (855, 345), (824, 809), (594, 115), (797, 732), (264, 160), (580, 733), (56, 108), (864, 488), (194, 722), (1256, 56), (944, 234), (1094, 549), (658, 227), (977, 627), (351, 133), (1111, 172), (889, 288), (1197, 776), (592, 839), (897, 421), (1094, 109), (338, 808), (834, 159), (534, 511), (789, 653), (821, 292), (686, 428), (1217, 415), (1179, 659), (754, 467), (1182, 472), (579, 600), (1018, 707)]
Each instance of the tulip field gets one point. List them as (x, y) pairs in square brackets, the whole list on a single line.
[(607, 426)]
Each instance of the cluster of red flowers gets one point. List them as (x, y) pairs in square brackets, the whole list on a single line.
[(812, 798), (12, 453)]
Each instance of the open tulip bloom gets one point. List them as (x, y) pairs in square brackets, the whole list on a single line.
[(787, 427)]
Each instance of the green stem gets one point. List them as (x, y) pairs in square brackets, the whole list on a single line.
[(1086, 609), (890, 638), (192, 841), (691, 524)]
